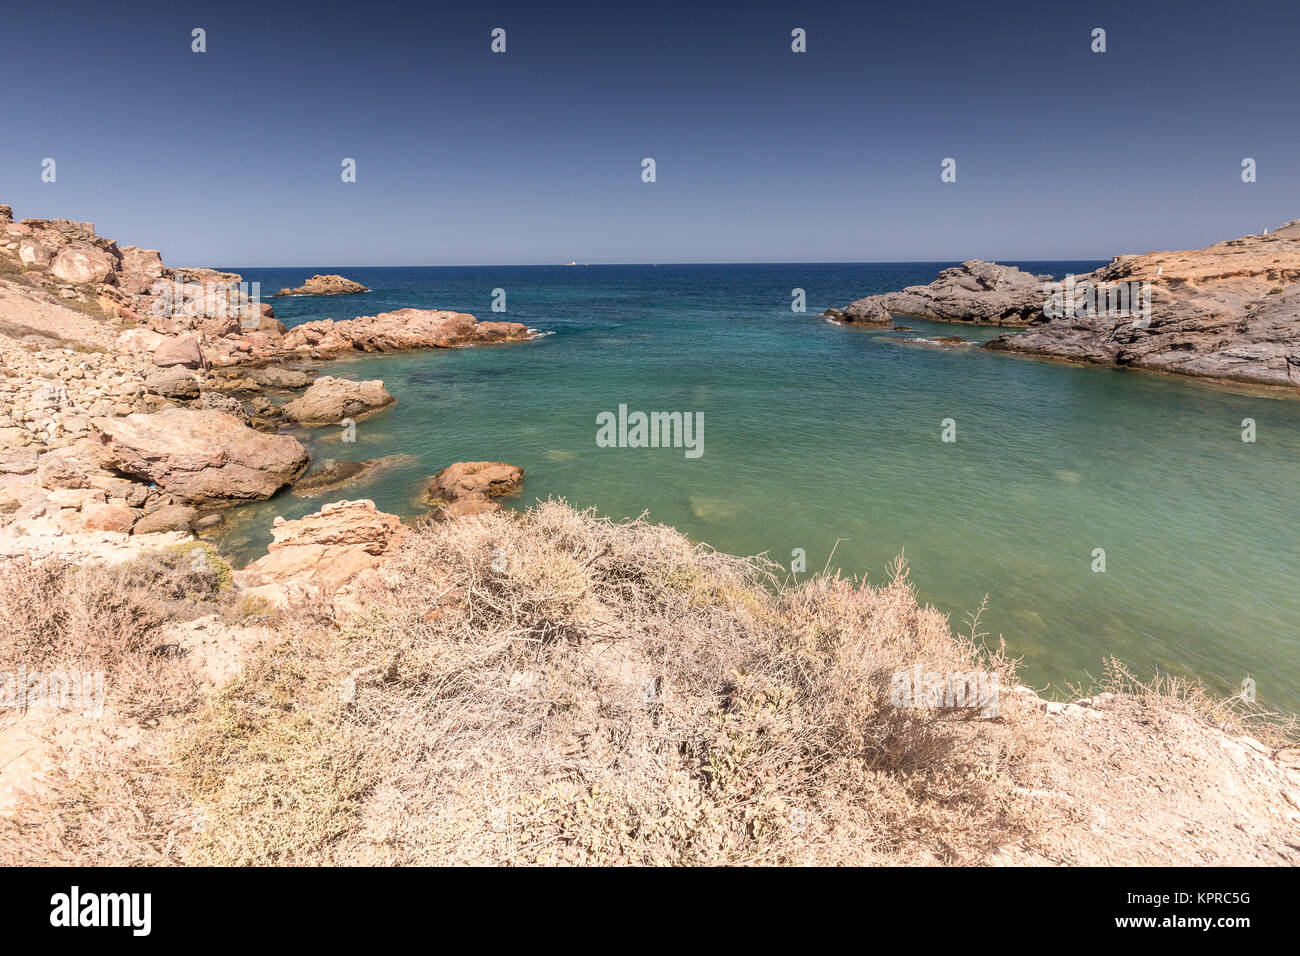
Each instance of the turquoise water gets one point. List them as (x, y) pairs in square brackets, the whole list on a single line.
[(815, 433)]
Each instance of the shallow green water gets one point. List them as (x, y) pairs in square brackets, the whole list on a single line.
[(815, 433)]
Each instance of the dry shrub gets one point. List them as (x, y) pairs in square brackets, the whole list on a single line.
[(1170, 694), (105, 803), (554, 687), (62, 617)]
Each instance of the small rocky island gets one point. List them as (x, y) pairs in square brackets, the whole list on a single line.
[(1230, 311), (325, 285)]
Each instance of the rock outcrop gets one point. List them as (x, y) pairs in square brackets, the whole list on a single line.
[(126, 386), (167, 518), (402, 330), (272, 377), (329, 400), (976, 291), (468, 487), (326, 285), (322, 552), (200, 456), (192, 317), (1230, 311)]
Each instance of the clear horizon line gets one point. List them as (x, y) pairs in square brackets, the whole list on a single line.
[(675, 262)]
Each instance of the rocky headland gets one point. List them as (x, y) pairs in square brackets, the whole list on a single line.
[(140, 400), (325, 285), (1230, 311), (979, 292)]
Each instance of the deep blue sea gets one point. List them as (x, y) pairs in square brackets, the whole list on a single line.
[(828, 438)]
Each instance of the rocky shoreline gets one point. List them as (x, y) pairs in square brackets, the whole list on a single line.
[(141, 401), (1229, 312)]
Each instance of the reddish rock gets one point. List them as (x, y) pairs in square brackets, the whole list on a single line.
[(183, 350), (82, 265), (326, 285), (400, 330), (200, 455), (468, 487), (329, 400), (99, 516), (322, 551)]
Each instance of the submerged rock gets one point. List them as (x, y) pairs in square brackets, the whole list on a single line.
[(332, 474), (328, 476)]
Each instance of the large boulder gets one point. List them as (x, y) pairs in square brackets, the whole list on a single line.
[(83, 264), (32, 252), (200, 455), (329, 400), (323, 551), (183, 350), (174, 382), (147, 262), (167, 518), (326, 285), (468, 487), (279, 377), (101, 516), (71, 466)]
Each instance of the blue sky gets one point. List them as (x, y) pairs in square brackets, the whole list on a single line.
[(464, 156)]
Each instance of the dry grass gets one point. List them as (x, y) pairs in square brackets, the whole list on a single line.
[(62, 617), (555, 688), (109, 796)]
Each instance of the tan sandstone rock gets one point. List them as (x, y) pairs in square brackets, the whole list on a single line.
[(183, 350), (468, 487), (322, 552), (326, 285), (83, 264), (200, 455), (329, 400), (400, 330)]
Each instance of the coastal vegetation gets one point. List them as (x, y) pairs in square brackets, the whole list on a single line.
[(608, 693)]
